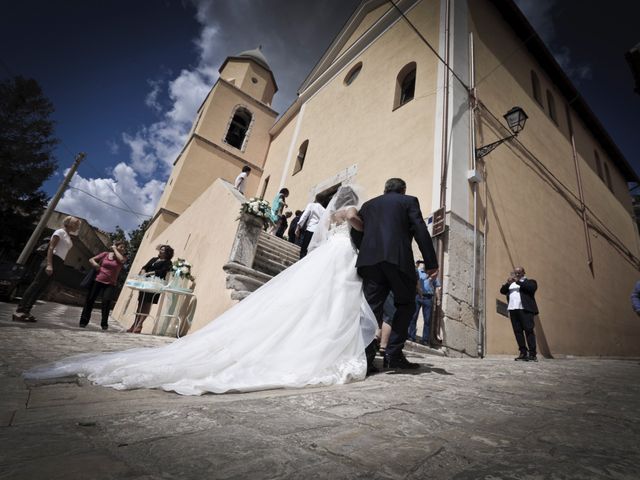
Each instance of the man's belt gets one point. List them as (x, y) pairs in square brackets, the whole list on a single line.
[(426, 295)]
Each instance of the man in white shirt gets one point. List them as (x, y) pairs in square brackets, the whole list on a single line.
[(520, 292), (241, 180), (309, 219)]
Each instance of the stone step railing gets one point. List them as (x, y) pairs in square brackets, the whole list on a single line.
[(256, 257), (243, 280)]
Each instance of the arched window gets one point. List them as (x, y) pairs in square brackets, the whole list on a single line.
[(353, 74), (551, 103), (237, 132), (598, 164), (535, 88), (405, 85), (302, 153)]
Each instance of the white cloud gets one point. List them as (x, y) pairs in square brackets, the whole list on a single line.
[(113, 146), (140, 198), (151, 99)]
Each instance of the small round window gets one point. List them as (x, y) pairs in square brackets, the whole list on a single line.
[(254, 80), (353, 74)]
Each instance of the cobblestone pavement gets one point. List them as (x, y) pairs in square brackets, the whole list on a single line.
[(453, 418)]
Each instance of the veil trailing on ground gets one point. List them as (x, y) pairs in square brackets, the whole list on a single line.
[(347, 196)]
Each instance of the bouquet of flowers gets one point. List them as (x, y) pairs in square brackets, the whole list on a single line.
[(258, 208), (182, 269)]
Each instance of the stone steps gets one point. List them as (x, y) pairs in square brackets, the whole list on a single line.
[(280, 253), (268, 266), (275, 256), (275, 243)]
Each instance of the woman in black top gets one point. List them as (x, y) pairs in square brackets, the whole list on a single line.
[(159, 267)]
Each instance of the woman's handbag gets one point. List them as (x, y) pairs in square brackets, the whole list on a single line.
[(90, 278)]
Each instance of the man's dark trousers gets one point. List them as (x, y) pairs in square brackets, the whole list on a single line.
[(40, 283), (306, 240), (377, 281), (523, 325)]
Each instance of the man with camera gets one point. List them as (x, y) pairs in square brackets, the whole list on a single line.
[(520, 292)]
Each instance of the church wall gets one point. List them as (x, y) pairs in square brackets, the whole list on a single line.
[(348, 132), (533, 223), (277, 159), (207, 249)]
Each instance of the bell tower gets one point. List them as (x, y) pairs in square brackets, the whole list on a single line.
[(231, 130)]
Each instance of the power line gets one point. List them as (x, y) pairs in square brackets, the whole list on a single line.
[(508, 57), (426, 42), (107, 203), (602, 228), (90, 164)]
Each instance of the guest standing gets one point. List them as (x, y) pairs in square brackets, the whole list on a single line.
[(292, 227), (428, 290), (310, 218), (158, 266), (282, 224), (108, 265), (51, 268), (241, 179), (278, 206), (522, 307)]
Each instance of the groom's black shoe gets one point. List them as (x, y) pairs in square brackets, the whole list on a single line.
[(371, 369), (399, 362)]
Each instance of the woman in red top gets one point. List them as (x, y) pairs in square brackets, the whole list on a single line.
[(108, 265)]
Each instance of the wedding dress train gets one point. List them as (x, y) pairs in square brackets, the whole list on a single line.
[(309, 325)]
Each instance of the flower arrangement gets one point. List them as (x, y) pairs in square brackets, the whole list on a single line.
[(258, 208), (182, 269)]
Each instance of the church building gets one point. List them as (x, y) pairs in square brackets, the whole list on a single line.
[(424, 90)]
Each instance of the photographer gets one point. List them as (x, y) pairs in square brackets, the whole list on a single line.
[(520, 292)]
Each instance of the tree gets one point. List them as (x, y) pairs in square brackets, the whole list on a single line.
[(135, 239), (118, 235), (26, 159)]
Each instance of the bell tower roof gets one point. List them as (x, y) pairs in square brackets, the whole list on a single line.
[(257, 55), (257, 58)]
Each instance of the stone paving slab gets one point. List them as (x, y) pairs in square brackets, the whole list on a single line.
[(454, 418)]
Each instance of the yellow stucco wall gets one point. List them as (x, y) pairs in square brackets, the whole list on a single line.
[(345, 127), (207, 249), (530, 223)]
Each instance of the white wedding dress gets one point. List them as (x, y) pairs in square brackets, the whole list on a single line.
[(309, 325)]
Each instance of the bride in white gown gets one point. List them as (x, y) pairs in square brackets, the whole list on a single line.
[(309, 325)]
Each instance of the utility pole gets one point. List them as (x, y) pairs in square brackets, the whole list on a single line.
[(28, 248)]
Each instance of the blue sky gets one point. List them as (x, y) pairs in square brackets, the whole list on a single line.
[(126, 77)]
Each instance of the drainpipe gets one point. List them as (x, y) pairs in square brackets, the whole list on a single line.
[(583, 210), (474, 186), (444, 165)]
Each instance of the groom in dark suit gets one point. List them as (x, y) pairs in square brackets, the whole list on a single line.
[(385, 263)]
